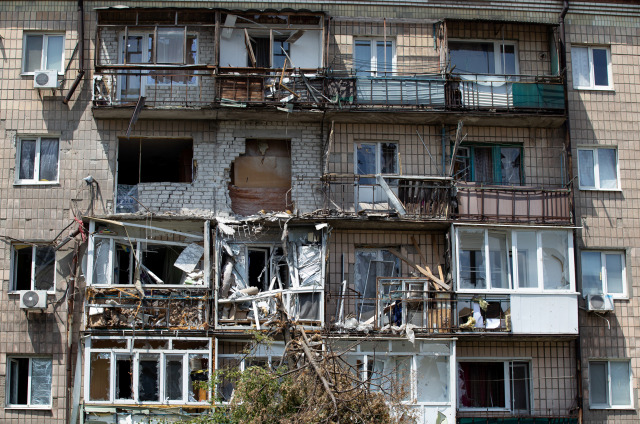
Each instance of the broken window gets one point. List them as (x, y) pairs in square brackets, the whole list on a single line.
[(267, 53), (115, 262), (33, 267), (494, 385), (148, 370), (37, 160), (517, 259), (261, 177), (489, 164), (371, 264), (29, 381), (145, 160), (170, 48)]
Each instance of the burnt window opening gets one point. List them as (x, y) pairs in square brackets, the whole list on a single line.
[(157, 261), (142, 160), (124, 377), (149, 378), (264, 265), (261, 178)]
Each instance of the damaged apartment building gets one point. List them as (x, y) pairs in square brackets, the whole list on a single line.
[(442, 190)]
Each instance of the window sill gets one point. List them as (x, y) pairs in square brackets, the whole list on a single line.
[(36, 183), (614, 190), (18, 292), (613, 408), (606, 89), (29, 407)]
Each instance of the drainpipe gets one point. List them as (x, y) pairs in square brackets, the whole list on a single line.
[(71, 286), (567, 144), (80, 52)]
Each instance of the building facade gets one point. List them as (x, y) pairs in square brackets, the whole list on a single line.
[(448, 183)]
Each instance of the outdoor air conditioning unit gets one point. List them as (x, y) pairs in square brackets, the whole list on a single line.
[(45, 79), (599, 303), (33, 300)]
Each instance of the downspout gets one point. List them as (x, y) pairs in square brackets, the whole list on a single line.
[(70, 309), (567, 146), (80, 53)]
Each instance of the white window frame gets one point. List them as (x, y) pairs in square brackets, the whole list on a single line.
[(373, 64), (137, 244), (596, 168), (145, 79), (135, 354), (603, 271), (378, 159), (45, 46), (512, 258), (14, 275), (28, 405), (631, 403), (592, 85), (269, 352), (36, 161), (496, 52), (507, 362), (386, 352)]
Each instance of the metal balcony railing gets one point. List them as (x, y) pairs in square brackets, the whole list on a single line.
[(411, 196), (497, 203)]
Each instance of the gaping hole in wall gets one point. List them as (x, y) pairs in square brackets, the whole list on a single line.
[(149, 160), (261, 178)]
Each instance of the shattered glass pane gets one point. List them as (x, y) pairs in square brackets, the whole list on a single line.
[(173, 378), (309, 304), (101, 272), (41, 381), (149, 378), (99, 376), (45, 267), (555, 266), (433, 384), (309, 265), (198, 374)]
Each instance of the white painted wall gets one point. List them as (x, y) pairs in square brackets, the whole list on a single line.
[(306, 52), (233, 51), (544, 313)]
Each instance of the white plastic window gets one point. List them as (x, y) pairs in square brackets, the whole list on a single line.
[(29, 382), (603, 273), (42, 52), (610, 385), (591, 67), (37, 160), (494, 385), (598, 168), (521, 260), (33, 267), (483, 57), (373, 57)]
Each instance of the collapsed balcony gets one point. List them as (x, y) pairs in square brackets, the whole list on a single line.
[(403, 195), (263, 273), (155, 309)]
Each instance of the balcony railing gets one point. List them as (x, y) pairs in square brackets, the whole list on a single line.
[(411, 196), (158, 309), (505, 92), (478, 202), (285, 88), (161, 88), (408, 302)]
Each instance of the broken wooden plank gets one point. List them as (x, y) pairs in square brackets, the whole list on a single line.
[(423, 258), (424, 271), (440, 273), (247, 44), (391, 195), (295, 36), (455, 147)]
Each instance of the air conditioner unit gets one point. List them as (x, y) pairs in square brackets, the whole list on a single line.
[(599, 303), (45, 79), (33, 300)]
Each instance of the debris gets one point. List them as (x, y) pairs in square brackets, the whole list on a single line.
[(189, 258)]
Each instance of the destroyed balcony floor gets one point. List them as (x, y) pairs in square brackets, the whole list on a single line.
[(381, 116)]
